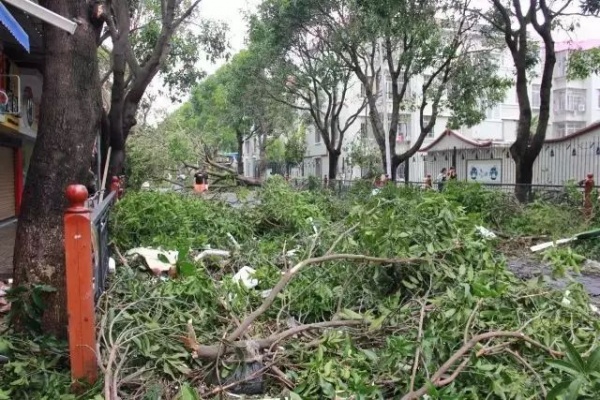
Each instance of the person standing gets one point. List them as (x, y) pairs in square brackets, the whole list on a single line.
[(200, 182), (428, 182), (441, 179), (452, 174)]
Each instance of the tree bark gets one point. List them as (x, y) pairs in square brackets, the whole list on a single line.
[(69, 121), (334, 157), (524, 177), (240, 150)]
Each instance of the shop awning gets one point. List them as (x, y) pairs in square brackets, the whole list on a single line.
[(44, 14), (14, 27)]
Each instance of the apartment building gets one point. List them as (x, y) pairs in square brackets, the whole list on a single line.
[(575, 104)]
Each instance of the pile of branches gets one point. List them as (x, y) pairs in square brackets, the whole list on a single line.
[(392, 296)]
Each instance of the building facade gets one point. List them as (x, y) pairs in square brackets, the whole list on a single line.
[(21, 84), (575, 105)]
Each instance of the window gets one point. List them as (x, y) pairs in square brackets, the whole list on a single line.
[(561, 65), (426, 120), (535, 96), (363, 130), (247, 145), (493, 113), (403, 131), (317, 136), (571, 100), (318, 168), (389, 88), (562, 129), (598, 98)]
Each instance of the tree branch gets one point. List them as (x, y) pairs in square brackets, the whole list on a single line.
[(289, 275)]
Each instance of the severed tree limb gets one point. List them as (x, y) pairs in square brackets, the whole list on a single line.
[(530, 368), (225, 172), (438, 379), (419, 339), (215, 351), (289, 275)]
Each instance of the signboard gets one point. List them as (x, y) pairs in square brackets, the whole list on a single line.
[(10, 105), (484, 171), (31, 93)]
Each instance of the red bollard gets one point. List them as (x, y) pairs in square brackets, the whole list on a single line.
[(80, 289), (588, 186)]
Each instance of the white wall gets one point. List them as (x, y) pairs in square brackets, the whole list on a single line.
[(556, 164)]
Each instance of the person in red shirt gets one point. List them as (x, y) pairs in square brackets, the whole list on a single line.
[(200, 182)]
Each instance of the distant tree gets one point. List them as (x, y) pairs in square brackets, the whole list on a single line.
[(319, 82), (295, 146), (514, 20), (431, 39), (236, 100), (584, 63)]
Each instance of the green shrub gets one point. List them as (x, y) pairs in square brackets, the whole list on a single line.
[(175, 221)]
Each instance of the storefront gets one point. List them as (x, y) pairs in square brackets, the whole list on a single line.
[(20, 95)]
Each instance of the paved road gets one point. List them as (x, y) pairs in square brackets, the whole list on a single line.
[(7, 244), (232, 198)]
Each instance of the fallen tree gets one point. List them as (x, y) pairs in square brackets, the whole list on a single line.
[(416, 302), (304, 295)]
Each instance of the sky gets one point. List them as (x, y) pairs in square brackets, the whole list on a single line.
[(232, 12)]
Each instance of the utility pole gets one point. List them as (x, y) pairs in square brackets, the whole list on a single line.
[(386, 128)]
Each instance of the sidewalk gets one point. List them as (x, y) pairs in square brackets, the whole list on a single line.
[(7, 244)]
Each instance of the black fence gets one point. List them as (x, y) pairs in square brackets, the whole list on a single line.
[(100, 238), (558, 194)]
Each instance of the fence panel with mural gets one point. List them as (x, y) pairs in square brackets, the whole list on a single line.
[(557, 164)]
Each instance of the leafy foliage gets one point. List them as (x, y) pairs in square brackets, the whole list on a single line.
[(461, 286), (174, 221), (584, 63)]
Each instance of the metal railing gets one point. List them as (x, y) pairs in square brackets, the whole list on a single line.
[(100, 240), (558, 194)]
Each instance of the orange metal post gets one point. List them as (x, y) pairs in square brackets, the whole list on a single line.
[(588, 185), (80, 290)]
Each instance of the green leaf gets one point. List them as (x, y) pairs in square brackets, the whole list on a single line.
[(377, 323), (163, 258), (593, 361), (351, 314), (188, 393), (558, 390), (295, 396), (574, 356), (430, 248), (564, 366), (371, 355), (573, 389), (186, 269)]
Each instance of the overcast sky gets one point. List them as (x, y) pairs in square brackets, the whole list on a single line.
[(233, 13)]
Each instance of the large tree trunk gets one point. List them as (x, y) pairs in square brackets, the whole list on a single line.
[(524, 177), (240, 150), (334, 157), (69, 121), (396, 161)]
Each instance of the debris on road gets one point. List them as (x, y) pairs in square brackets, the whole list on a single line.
[(158, 261)]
